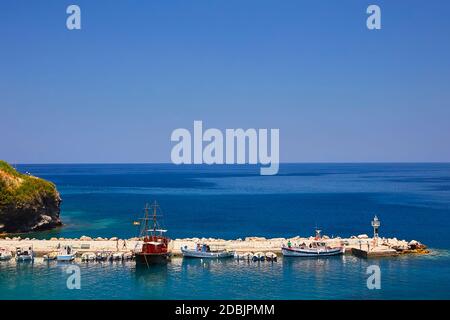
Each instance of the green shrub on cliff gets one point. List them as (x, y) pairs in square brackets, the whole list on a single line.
[(17, 189), (27, 203), (7, 168)]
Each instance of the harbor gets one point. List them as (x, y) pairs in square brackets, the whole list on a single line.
[(153, 247), (152, 265)]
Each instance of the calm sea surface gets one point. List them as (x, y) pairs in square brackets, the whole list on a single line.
[(412, 201)]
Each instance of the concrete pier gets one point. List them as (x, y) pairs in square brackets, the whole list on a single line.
[(375, 253)]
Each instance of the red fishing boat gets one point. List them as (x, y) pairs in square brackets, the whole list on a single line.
[(155, 246)]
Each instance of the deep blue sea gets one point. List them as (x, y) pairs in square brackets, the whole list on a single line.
[(412, 201)]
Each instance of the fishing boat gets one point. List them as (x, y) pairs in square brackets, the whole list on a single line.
[(5, 255), (154, 245), (66, 254), (204, 251), (23, 255), (317, 248)]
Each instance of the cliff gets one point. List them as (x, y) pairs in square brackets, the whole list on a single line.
[(27, 203)]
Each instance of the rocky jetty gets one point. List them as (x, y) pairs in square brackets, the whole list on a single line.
[(382, 247), (27, 203)]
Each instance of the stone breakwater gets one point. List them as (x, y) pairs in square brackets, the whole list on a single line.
[(360, 245)]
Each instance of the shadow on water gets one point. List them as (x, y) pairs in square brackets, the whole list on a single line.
[(311, 260), (312, 265), (24, 267), (204, 264), (153, 275)]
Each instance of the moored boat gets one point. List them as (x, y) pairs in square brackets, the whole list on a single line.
[(116, 256), (317, 248), (24, 255), (154, 246), (5, 255), (88, 256), (102, 256), (259, 256), (66, 254), (204, 251), (243, 256)]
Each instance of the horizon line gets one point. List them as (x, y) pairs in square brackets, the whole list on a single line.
[(234, 164)]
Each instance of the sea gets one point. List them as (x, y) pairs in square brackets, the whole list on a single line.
[(412, 200)]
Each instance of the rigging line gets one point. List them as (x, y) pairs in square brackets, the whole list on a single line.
[(161, 225)]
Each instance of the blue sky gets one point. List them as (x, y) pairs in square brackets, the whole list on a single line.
[(115, 90)]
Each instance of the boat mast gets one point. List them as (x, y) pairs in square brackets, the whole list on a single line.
[(318, 236), (154, 205), (146, 230), (145, 225)]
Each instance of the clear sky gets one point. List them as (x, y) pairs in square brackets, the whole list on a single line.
[(115, 90)]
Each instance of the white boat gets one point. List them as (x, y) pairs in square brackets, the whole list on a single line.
[(102, 256), (317, 248), (66, 254), (116, 256), (88, 256), (205, 252), (24, 254), (317, 251), (259, 256), (243, 256), (5, 255)]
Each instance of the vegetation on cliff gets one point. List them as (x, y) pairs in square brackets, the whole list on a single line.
[(27, 203)]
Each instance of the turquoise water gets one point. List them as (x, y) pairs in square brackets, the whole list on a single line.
[(332, 278), (412, 200)]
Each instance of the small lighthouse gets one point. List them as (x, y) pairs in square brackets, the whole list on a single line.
[(375, 224)]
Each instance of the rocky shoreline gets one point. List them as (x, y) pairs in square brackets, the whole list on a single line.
[(27, 203)]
